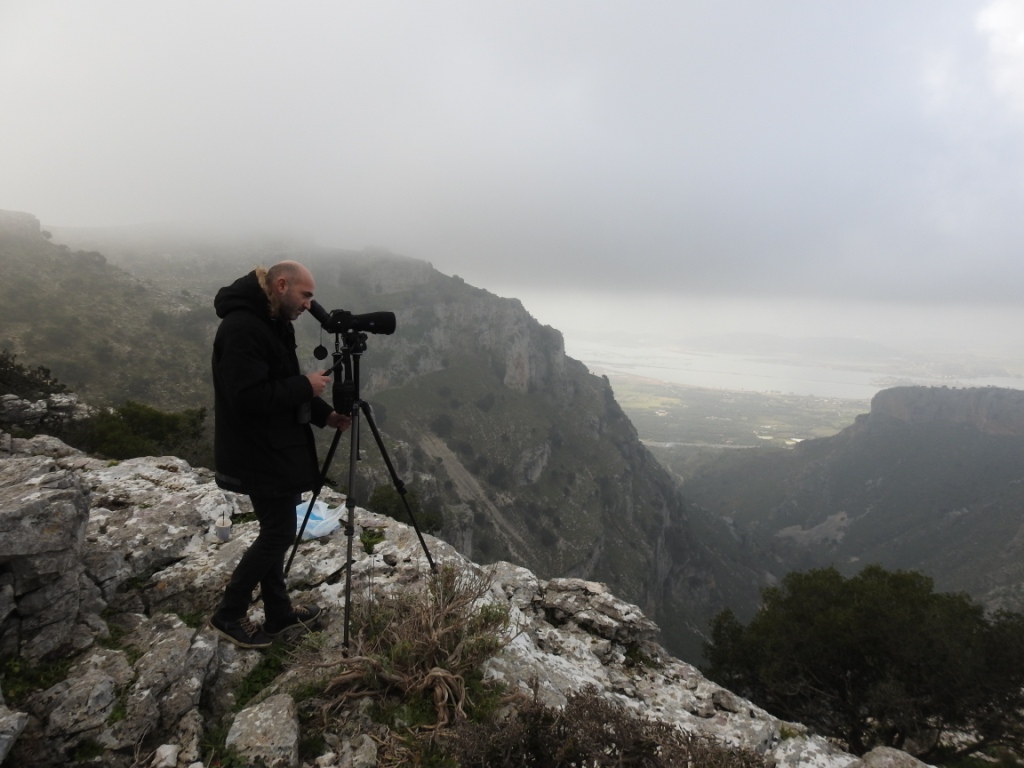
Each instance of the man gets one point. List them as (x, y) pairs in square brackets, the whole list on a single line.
[(263, 443)]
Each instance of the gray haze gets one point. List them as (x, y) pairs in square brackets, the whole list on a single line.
[(831, 165)]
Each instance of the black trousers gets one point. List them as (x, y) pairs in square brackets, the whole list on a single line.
[(263, 562)]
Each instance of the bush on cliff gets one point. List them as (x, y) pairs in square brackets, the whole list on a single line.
[(27, 383), (134, 429), (879, 659)]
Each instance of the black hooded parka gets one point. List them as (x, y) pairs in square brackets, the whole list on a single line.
[(263, 444)]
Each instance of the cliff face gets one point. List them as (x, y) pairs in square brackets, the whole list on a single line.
[(439, 318)]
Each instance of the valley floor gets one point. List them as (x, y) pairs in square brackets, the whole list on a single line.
[(678, 422)]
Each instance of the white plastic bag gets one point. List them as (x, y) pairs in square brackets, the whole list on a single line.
[(322, 519)]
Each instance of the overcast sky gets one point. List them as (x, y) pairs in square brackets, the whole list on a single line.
[(799, 153)]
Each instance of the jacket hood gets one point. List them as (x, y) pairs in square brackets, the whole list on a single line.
[(245, 293)]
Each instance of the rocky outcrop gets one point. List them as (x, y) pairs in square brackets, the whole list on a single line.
[(130, 553), (993, 410), (45, 599), (49, 413)]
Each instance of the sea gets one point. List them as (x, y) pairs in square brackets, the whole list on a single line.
[(754, 373)]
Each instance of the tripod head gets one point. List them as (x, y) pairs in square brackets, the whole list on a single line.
[(349, 343)]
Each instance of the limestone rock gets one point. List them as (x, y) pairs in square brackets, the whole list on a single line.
[(11, 726), (887, 757), (44, 509), (268, 732)]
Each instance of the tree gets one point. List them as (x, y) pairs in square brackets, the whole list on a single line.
[(878, 659)]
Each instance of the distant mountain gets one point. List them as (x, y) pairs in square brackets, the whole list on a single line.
[(932, 479), (526, 452)]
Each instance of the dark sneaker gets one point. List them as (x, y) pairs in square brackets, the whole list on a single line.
[(304, 616), (242, 633)]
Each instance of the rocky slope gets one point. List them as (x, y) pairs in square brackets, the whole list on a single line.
[(113, 568)]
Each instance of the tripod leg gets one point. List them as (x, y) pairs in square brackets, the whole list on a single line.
[(399, 485), (316, 492), (350, 524)]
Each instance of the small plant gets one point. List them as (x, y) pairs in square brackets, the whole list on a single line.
[(120, 710), (370, 538), (637, 657), (18, 678), (216, 754), (192, 619), (87, 750)]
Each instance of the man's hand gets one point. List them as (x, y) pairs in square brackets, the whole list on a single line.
[(339, 421), (319, 380)]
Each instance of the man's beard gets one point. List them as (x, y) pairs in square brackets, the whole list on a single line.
[(280, 310)]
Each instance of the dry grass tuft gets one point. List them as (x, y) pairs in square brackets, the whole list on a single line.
[(417, 645)]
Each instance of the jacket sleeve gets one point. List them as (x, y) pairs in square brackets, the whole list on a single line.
[(321, 410), (244, 371)]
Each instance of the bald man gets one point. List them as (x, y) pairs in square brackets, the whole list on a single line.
[(263, 443)]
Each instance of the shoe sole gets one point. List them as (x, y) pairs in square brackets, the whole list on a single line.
[(236, 641)]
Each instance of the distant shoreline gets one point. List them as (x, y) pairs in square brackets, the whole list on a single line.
[(761, 374)]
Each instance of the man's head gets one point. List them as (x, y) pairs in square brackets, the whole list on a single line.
[(290, 288)]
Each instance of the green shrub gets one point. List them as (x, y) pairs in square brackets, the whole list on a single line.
[(442, 425), (134, 429), (879, 659)]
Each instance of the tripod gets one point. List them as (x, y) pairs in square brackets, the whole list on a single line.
[(348, 347)]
